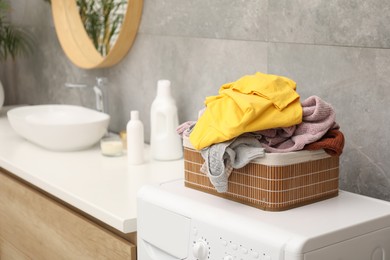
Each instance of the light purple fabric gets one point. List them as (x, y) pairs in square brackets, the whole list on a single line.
[(185, 128), (317, 118)]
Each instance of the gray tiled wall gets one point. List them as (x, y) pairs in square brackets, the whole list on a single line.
[(363, 23), (337, 49)]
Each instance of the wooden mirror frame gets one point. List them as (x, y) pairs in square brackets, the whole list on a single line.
[(76, 43)]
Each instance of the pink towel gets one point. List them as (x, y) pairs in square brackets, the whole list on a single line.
[(317, 118), (185, 128)]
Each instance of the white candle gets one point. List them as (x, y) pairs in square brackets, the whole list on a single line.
[(111, 146)]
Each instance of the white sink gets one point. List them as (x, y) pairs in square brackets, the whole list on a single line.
[(59, 127)]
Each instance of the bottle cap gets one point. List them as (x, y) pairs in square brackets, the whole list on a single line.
[(134, 115), (163, 87)]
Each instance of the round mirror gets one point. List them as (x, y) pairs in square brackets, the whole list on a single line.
[(76, 36)]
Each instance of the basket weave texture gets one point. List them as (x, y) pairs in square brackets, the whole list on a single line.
[(272, 188)]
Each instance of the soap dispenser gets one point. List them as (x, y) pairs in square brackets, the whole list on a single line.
[(135, 139), (165, 143)]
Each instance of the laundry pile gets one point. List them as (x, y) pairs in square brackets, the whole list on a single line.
[(255, 115)]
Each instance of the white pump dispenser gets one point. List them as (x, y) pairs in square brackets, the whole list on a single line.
[(135, 139), (164, 141)]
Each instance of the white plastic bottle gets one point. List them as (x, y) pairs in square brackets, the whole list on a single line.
[(135, 139), (165, 143)]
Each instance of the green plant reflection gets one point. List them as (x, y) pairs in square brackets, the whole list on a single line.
[(102, 20)]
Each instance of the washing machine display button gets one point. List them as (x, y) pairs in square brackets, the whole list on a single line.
[(244, 250), (255, 255), (228, 257)]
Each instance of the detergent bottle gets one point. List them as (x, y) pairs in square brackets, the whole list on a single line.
[(165, 143)]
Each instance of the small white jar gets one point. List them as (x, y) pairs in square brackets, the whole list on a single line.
[(111, 145)]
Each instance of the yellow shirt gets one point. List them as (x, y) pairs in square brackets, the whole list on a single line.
[(252, 103)]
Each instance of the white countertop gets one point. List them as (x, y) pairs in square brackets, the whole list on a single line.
[(100, 186)]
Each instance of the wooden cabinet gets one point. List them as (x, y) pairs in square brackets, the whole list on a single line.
[(36, 226)]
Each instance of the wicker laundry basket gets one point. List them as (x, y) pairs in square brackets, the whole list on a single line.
[(276, 182)]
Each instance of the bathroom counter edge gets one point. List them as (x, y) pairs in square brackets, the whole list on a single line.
[(102, 187)]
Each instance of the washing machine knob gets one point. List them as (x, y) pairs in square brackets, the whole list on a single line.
[(200, 249), (228, 257)]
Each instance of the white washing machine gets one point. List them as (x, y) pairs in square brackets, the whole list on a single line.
[(175, 222)]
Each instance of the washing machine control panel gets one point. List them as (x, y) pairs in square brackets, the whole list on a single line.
[(209, 243)]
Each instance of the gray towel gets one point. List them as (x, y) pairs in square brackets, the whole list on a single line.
[(221, 158)]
